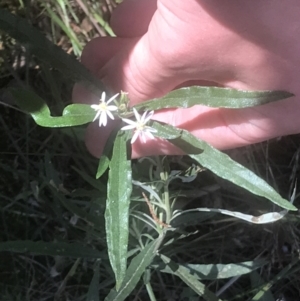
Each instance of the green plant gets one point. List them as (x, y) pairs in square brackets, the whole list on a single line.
[(154, 231)]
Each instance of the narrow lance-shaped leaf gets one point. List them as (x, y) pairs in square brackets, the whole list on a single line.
[(102, 166), (117, 207), (188, 278), (216, 271), (30, 102), (50, 248), (106, 154), (39, 45), (135, 270), (265, 218), (213, 97), (222, 165)]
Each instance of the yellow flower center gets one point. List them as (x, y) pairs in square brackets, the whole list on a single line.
[(140, 126), (103, 106)]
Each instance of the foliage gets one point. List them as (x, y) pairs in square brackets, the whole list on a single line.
[(150, 242)]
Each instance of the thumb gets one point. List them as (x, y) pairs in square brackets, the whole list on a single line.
[(137, 70)]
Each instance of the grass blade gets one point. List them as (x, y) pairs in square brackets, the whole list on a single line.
[(83, 214), (94, 183), (19, 29), (77, 47), (93, 292), (266, 287), (257, 281), (76, 250)]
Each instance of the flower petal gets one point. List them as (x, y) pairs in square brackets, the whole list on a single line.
[(150, 129), (129, 121), (103, 119), (149, 134), (111, 108), (143, 117), (112, 98), (103, 96), (128, 127), (137, 115), (97, 115), (111, 116), (135, 136), (148, 117), (143, 136)]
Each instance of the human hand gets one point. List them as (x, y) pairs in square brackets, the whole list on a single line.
[(164, 44)]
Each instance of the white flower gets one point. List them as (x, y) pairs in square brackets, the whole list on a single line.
[(103, 110), (141, 129)]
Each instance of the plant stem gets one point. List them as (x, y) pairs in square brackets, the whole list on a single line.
[(167, 199), (166, 196), (150, 292)]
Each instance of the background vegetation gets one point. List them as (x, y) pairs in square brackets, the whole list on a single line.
[(49, 192)]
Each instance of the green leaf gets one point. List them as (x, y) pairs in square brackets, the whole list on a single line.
[(217, 271), (93, 292), (135, 270), (265, 218), (188, 278), (171, 133), (117, 207), (106, 154), (102, 166), (212, 97), (77, 250), (19, 29), (223, 166), (74, 114), (168, 133)]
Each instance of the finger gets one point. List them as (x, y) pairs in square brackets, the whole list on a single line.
[(138, 72), (132, 17), (223, 128), (100, 50), (150, 67), (94, 56)]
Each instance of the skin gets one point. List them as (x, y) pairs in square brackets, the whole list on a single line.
[(164, 44)]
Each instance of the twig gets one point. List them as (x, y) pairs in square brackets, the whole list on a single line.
[(153, 213)]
